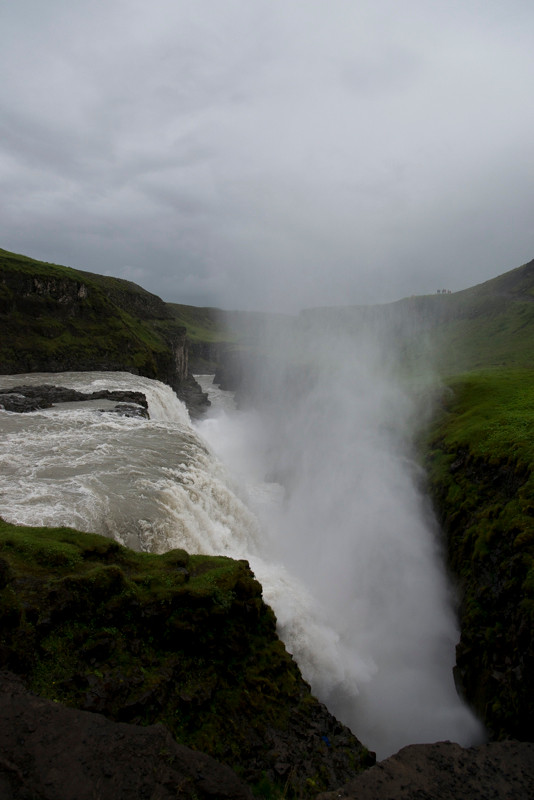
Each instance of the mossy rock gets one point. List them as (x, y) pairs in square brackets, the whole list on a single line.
[(481, 478), (181, 639)]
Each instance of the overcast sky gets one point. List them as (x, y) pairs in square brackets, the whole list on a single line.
[(270, 154)]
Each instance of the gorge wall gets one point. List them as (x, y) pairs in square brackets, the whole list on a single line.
[(483, 498), (57, 319)]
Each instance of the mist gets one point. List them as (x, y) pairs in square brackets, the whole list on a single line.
[(351, 554)]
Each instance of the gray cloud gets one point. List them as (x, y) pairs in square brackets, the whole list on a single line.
[(270, 155)]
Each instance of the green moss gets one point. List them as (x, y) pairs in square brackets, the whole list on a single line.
[(202, 324), (55, 318), (479, 462), (181, 639)]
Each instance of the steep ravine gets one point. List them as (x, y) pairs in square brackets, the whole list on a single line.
[(77, 617), (479, 456), (491, 561)]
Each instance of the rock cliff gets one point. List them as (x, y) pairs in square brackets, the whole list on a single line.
[(182, 640), (493, 574), (57, 319), (479, 462)]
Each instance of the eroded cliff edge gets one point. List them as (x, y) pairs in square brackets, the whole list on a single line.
[(182, 640)]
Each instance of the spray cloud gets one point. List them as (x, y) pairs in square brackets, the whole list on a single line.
[(333, 424)]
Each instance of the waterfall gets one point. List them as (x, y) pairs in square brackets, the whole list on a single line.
[(163, 483)]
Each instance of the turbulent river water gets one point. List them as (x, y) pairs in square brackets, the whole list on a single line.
[(163, 483)]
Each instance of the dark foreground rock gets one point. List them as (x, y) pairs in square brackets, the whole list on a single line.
[(50, 752), (494, 771), (177, 639), (191, 394)]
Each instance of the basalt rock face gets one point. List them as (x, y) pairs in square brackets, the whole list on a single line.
[(57, 319), (191, 394), (205, 357)]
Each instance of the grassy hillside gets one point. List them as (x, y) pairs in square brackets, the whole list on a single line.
[(55, 318), (479, 455), (487, 325), (203, 324)]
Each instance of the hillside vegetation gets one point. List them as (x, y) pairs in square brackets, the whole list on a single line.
[(479, 459), (479, 455), (55, 318), (489, 325), (176, 638)]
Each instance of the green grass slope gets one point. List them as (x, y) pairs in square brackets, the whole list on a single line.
[(54, 318), (203, 324), (487, 325)]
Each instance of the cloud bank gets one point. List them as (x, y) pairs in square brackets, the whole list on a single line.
[(267, 155)]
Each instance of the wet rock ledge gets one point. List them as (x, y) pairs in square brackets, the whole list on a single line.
[(23, 399)]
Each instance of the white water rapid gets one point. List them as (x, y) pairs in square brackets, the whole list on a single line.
[(364, 608)]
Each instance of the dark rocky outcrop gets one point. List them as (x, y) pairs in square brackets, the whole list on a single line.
[(446, 771), (491, 563), (52, 752), (191, 394), (175, 639), (22, 399)]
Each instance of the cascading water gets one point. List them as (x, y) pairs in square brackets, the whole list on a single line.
[(150, 484), (160, 483), (333, 420)]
